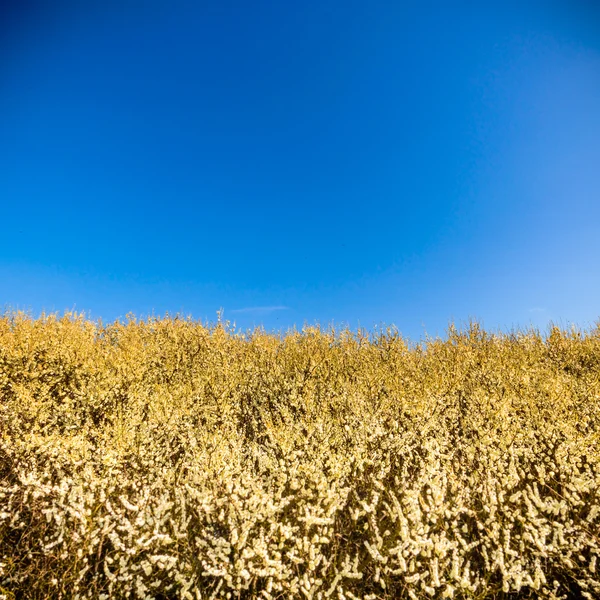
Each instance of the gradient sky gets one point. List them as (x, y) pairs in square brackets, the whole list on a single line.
[(359, 163)]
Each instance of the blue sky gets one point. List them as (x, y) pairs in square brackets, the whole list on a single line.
[(360, 163)]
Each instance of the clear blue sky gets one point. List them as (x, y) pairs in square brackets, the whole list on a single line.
[(407, 163)]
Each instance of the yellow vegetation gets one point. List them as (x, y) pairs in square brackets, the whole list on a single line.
[(166, 459)]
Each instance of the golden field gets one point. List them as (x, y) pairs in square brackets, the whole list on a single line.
[(166, 459)]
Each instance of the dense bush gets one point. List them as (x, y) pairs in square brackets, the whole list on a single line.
[(167, 459)]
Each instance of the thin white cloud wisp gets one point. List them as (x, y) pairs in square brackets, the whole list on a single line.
[(259, 309)]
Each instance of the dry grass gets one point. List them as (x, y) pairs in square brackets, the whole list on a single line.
[(165, 459)]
